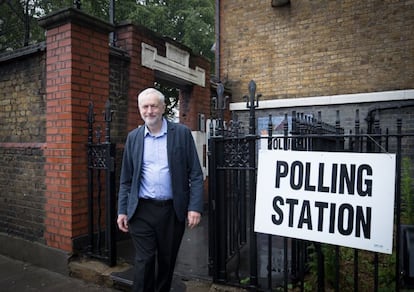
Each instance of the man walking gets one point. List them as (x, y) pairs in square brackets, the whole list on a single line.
[(161, 186)]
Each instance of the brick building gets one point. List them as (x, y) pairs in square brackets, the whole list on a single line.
[(45, 92), (312, 56), (347, 61), (307, 56)]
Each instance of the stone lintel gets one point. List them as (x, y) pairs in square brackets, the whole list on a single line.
[(175, 64)]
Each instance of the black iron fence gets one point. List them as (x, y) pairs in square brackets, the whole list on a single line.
[(101, 190), (232, 174), (241, 257)]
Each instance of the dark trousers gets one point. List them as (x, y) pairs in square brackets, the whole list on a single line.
[(156, 234)]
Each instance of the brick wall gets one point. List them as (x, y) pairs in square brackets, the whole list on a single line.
[(198, 101), (22, 137), (316, 48), (22, 103), (118, 92), (22, 191), (77, 72), (129, 38), (387, 113), (45, 91)]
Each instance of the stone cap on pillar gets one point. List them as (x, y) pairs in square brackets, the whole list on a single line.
[(73, 15)]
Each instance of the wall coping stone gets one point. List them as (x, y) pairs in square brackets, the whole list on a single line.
[(76, 16), (22, 52), (340, 99)]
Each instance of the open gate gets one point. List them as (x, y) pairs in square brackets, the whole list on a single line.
[(240, 257)]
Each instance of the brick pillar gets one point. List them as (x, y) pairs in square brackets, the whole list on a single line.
[(129, 38), (197, 103), (77, 72)]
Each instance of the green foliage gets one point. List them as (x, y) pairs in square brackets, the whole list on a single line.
[(386, 272), (19, 21), (17, 24), (407, 196), (171, 100), (386, 269), (312, 264), (190, 22)]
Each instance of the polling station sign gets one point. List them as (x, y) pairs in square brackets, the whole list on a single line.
[(345, 199)]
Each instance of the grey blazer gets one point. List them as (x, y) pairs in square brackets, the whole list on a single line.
[(185, 169)]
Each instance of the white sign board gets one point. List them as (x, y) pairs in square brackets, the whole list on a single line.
[(339, 198)]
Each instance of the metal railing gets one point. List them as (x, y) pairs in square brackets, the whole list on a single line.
[(241, 257), (101, 190)]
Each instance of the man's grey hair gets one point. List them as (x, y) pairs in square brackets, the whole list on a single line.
[(150, 91)]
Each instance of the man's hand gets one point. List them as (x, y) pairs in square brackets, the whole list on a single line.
[(193, 218), (122, 222)]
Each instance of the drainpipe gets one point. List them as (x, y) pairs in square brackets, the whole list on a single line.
[(112, 21), (217, 48)]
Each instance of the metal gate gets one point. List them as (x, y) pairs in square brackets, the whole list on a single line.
[(101, 189), (232, 175), (240, 257)]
